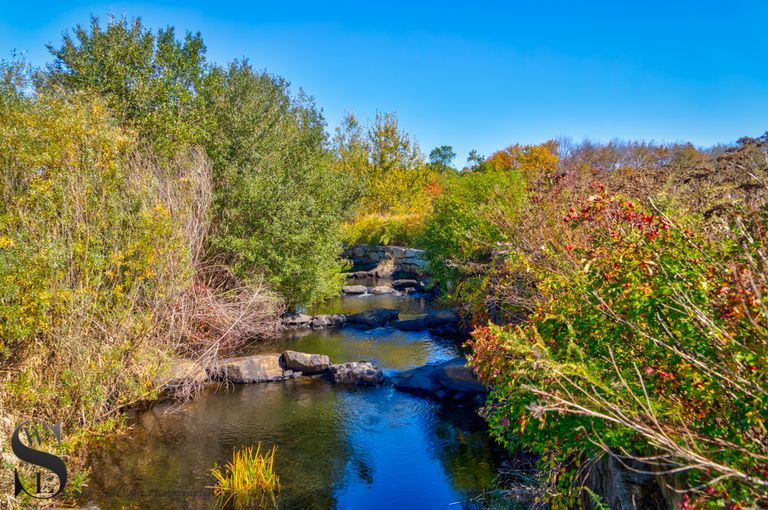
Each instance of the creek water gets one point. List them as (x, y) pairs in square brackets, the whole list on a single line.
[(338, 447)]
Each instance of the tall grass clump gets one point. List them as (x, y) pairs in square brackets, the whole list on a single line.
[(249, 480)]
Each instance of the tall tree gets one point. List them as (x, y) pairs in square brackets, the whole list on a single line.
[(386, 162), (474, 160), (150, 80), (441, 158), (278, 200)]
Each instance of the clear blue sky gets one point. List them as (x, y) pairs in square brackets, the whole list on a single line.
[(482, 75)]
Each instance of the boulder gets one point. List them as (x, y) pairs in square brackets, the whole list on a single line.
[(457, 375), (328, 321), (249, 369), (405, 285), (383, 289), (415, 262), (297, 320), (361, 373), (449, 378), (438, 318), (419, 380), (416, 324), (354, 289), (373, 318), (306, 363)]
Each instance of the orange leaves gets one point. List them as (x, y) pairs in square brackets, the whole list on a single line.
[(434, 189), (534, 161)]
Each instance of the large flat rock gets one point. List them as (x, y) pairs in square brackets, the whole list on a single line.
[(452, 376), (250, 369), (374, 318), (335, 320), (297, 320), (415, 324), (306, 363), (438, 318), (420, 380), (354, 289), (383, 289), (457, 375)]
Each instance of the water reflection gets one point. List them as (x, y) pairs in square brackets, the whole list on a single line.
[(337, 448), (389, 348)]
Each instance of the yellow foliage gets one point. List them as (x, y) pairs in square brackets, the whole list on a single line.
[(95, 250), (535, 162)]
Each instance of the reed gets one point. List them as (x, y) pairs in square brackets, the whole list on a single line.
[(249, 480)]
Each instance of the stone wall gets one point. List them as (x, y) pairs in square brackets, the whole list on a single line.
[(407, 260)]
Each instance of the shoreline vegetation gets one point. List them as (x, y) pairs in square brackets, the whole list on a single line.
[(157, 207)]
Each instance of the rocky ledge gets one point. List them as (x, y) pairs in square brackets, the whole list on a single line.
[(323, 321), (446, 322), (252, 369), (374, 318), (397, 288)]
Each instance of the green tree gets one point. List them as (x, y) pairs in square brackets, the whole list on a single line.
[(150, 80), (278, 200), (389, 168), (441, 158), (460, 233), (474, 160)]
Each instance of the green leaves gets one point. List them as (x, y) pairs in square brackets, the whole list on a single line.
[(461, 230), (150, 80), (641, 347), (278, 200)]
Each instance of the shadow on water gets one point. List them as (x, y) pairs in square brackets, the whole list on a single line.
[(337, 447)]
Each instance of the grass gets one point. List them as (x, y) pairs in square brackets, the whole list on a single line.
[(249, 480)]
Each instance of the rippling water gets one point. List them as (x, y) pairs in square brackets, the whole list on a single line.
[(337, 447)]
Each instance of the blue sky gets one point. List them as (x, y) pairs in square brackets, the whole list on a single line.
[(481, 75)]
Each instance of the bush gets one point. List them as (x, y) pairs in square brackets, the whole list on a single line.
[(278, 202), (151, 81), (96, 244), (650, 346), (460, 235)]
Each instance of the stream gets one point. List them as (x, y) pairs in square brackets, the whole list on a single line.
[(340, 447)]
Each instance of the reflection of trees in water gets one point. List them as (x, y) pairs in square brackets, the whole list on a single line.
[(173, 453), (388, 348), (407, 305), (460, 440)]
